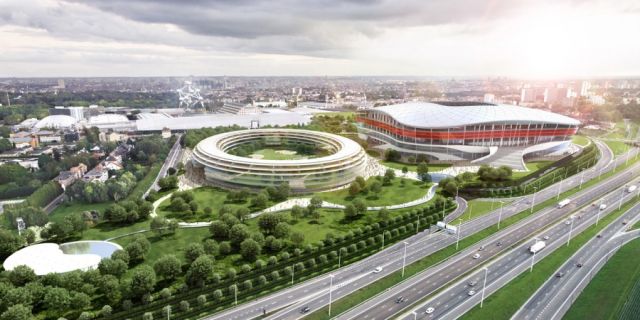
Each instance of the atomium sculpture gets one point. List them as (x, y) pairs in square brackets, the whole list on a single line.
[(189, 96)]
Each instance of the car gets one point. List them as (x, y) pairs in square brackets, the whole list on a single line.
[(499, 244), (625, 221), (546, 237), (559, 274), (377, 270), (471, 292), (476, 256), (579, 265), (400, 299), (305, 309), (429, 310), (481, 248), (471, 283), (599, 235), (568, 222)]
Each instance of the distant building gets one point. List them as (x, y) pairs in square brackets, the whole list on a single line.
[(489, 98), (584, 89), (99, 173), (111, 136), (166, 133)]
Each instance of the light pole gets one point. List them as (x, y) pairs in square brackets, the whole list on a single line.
[(484, 285), (621, 197), (293, 272), (570, 230), (533, 257), (598, 215), (415, 315), (533, 201), (404, 257), (500, 216), (339, 257), (458, 233), (559, 188), (330, 291), (235, 293), (581, 178), (382, 240)]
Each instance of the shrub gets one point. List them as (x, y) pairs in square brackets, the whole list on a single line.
[(184, 305), (299, 266), (311, 263), (202, 299), (217, 294), (333, 255), (275, 275), (272, 260), (247, 285), (165, 293), (323, 258), (245, 268), (262, 280), (285, 255)]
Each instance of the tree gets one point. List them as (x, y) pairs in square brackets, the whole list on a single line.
[(121, 255), (405, 170), (238, 233), (423, 172), (376, 187), (159, 225), (282, 230), (57, 299), (260, 201), (21, 275), (350, 212), (115, 267), (250, 250), (9, 243), (193, 251), (115, 213), (389, 175), (219, 229), (297, 238), (242, 213), (136, 251), (361, 182), (268, 222), (383, 214), (142, 281), (167, 183), (392, 155), (296, 212), (168, 267), (210, 247), (199, 270), (17, 312), (360, 206), (354, 189), (80, 301), (106, 310)]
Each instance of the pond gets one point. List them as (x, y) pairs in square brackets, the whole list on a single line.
[(102, 248)]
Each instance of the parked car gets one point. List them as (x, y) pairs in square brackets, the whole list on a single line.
[(471, 292), (476, 256), (305, 309), (559, 274), (429, 310), (471, 283), (377, 270)]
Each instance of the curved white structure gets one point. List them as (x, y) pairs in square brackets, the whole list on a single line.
[(345, 161), (56, 122), (46, 258)]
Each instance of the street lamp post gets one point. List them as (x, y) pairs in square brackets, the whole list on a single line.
[(235, 293), (415, 315), (533, 257), (330, 292), (570, 230), (581, 178), (484, 285), (404, 257), (293, 272), (559, 188), (500, 216), (598, 215), (417, 224), (382, 240), (339, 257), (533, 201), (458, 233)]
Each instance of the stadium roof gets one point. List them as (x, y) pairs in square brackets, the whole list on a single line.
[(434, 115), (56, 121), (214, 120)]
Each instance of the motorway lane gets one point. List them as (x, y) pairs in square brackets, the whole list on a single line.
[(456, 300), (348, 279), (553, 295), (384, 306), (321, 298)]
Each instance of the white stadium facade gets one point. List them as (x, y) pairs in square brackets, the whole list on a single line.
[(467, 131), (344, 160)]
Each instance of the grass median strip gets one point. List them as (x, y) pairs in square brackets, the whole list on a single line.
[(379, 286), (506, 301), (605, 295)]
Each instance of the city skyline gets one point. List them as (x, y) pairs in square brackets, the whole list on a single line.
[(524, 39)]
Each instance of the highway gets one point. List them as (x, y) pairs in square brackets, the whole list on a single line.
[(172, 159), (314, 292), (555, 296), (457, 299), (378, 306)]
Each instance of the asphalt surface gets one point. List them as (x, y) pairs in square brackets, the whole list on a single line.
[(382, 306), (172, 159), (457, 298), (554, 297), (314, 292)]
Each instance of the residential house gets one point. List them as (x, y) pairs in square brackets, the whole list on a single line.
[(99, 173), (66, 178)]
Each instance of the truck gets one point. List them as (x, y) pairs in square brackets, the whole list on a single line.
[(563, 203), (539, 245), (447, 227), (632, 188)]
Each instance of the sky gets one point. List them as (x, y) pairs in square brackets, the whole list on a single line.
[(510, 38)]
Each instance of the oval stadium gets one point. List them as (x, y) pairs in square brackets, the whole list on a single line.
[(307, 160), (471, 132)]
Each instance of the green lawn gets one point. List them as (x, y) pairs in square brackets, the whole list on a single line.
[(506, 301), (476, 208), (396, 193), (618, 147), (413, 167), (605, 295), (532, 166), (273, 154), (211, 197), (580, 140)]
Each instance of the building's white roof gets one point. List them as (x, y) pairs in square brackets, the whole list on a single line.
[(225, 120), (56, 121), (432, 115), (107, 118)]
